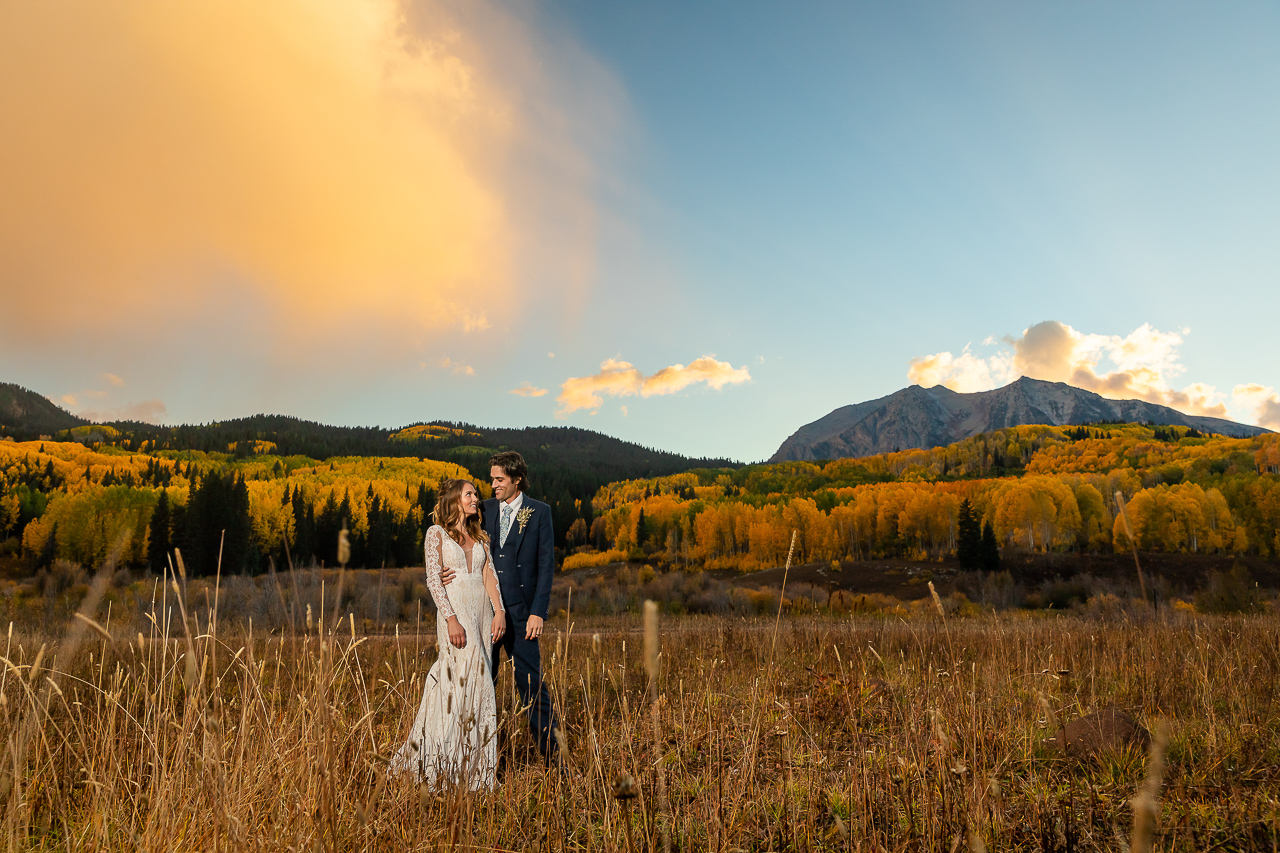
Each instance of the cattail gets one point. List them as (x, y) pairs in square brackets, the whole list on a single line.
[(308, 617), (595, 644), (651, 640)]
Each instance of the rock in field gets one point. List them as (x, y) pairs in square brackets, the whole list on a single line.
[(1108, 730)]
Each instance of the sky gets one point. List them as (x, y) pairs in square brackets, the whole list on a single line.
[(693, 226)]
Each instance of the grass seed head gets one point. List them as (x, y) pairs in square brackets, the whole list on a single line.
[(35, 665), (937, 601), (344, 546), (651, 639), (625, 787)]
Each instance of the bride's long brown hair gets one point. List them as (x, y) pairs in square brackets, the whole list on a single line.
[(449, 509)]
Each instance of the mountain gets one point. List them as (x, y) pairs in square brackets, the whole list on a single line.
[(25, 414), (931, 417)]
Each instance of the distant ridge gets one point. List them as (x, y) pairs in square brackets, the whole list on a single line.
[(568, 465), (26, 414), (932, 417)]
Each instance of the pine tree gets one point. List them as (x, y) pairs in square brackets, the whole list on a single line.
[(158, 544), (990, 549)]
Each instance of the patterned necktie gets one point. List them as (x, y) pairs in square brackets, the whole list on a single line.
[(506, 524)]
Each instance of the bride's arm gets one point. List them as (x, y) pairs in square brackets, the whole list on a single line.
[(435, 562)]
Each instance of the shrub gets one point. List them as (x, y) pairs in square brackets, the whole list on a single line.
[(1232, 592)]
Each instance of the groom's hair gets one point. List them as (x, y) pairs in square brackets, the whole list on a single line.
[(513, 464)]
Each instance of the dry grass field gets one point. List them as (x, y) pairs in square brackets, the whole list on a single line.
[(820, 732)]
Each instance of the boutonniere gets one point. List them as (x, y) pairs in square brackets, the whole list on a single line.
[(522, 518)]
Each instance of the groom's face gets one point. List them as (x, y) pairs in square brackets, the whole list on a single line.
[(504, 488)]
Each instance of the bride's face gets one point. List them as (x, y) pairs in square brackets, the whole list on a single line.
[(469, 500)]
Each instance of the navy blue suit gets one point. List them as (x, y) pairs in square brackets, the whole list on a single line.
[(525, 566)]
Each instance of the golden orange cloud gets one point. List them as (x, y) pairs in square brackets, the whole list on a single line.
[(343, 168), (1145, 363), (620, 378), (527, 389)]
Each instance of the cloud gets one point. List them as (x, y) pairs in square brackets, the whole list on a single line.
[(457, 367), (245, 176), (147, 411), (113, 379), (621, 378), (964, 373), (623, 409), (527, 389), (1141, 365), (69, 400), (1262, 401)]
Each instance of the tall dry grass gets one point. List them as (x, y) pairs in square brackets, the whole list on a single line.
[(813, 733)]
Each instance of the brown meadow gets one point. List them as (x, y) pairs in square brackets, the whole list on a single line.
[(820, 732)]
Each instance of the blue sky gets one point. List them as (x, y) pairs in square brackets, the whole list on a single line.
[(811, 195)]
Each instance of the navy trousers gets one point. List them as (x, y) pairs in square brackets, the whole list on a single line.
[(527, 659)]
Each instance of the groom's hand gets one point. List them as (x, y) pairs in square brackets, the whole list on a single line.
[(533, 628), (446, 575)]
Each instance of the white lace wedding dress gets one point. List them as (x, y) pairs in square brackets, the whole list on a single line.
[(454, 735)]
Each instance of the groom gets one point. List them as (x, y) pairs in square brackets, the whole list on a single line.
[(522, 542)]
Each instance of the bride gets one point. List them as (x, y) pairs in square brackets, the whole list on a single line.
[(453, 738)]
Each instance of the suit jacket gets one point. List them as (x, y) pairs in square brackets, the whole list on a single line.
[(526, 564)]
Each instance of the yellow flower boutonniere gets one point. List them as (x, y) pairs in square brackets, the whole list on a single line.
[(523, 516)]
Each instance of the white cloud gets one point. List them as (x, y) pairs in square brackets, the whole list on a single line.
[(457, 367), (620, 379), (527, 389), (964, 373), (146, 411), (1141, 365), (1261, 401)]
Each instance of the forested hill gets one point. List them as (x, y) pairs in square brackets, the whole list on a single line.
[(567, 465), (24, 414)]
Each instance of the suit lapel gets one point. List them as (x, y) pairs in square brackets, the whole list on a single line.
[(490, 525)]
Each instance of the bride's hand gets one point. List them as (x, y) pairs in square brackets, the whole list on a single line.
[(457, 634), (499, 625)]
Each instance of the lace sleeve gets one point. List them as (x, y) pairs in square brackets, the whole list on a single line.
[(491, 583), (435, 562)]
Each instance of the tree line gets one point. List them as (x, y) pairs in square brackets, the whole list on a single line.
[(1185, 491)]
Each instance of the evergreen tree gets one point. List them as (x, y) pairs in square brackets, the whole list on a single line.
[(426, 500), (641, 532), (969, 538), (158, 544), (218, 523), (990, 549), (304, 530), (328, 523)]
